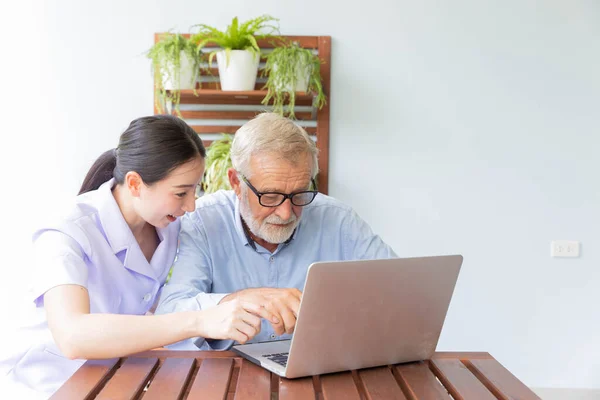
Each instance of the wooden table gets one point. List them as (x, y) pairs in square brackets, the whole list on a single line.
[(163, 374)]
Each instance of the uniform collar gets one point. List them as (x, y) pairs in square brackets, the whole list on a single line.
[(117, 231)]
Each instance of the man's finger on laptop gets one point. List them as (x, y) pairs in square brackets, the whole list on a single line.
[(297, 293), (278, 326), (289, 319)]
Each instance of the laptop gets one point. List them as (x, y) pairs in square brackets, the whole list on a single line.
[(361, 314)]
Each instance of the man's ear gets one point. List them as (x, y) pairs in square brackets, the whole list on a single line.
[(234, 181), (134, 182)]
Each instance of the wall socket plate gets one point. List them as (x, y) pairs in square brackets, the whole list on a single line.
[(564, 248)]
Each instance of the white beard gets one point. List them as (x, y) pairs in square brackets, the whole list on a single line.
[(265, 230)]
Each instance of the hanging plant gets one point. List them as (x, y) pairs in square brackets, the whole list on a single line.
[(290, 68), (173, 56)]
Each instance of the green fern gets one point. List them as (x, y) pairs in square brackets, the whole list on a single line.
[(218, 161), (236, 36), (281, 68), (166, 64)]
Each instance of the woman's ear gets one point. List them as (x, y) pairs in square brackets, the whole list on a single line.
[(133, 182)]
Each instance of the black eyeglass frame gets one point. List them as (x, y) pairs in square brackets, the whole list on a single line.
[(285, 195)]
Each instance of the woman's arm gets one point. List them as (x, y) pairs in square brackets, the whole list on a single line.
[(80, 334)]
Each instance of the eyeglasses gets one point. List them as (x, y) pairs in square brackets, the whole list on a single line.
[(274, 199)]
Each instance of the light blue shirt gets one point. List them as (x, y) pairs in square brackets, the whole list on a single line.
[(215, 257)]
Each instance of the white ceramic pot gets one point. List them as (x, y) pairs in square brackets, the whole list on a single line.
[(301, 80), (239, 73), (186, 75)]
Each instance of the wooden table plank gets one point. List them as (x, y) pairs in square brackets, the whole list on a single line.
[(419, 382), (224, 375), (500, 381), (130, 379), (254, 382), (459, 381), (170, 380), (380, 384), (296, 389), (164, 353), (212, 380), (461, 355), (339, 386), (86, 381)]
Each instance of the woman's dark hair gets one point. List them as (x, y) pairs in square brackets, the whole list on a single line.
[(151, 146)]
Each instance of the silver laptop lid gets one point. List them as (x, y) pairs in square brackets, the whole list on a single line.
[(359, 314)]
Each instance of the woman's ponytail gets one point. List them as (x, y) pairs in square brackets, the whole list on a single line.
[(101, 171)]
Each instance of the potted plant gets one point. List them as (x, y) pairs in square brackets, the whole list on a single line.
[(218, 161), (239, 55), (290, 69), (175, 64)]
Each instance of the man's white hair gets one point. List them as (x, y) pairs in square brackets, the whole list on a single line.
[(272, 134)]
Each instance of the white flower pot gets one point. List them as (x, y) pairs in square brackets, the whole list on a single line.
[(301, 80), (240, 73), (186, 75)]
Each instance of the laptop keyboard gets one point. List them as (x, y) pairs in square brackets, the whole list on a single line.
[(279, 358)]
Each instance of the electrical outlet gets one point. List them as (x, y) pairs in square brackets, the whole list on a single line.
[(564, 248)]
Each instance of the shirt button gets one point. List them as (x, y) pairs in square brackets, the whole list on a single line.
[(147, 297), (273, 336), (272, 259)]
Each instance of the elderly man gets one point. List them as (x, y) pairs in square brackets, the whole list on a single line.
[(255, 242)]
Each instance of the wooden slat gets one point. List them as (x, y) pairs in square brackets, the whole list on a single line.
[(170, 380), (500, 381), (296, 389), (309, 42), (215, 86), (380, 384), (212, 379), (254, 382), (255, 97), (220, 96), (86, 381), (219, 114), (339, 386), (232, 129), (419, 383), (130, 379), (162, 353), (214, 70), (459, 381), (323, 114), (233, 114), (215, 129)]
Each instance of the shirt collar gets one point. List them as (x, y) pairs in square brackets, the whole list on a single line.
[(117, 232)]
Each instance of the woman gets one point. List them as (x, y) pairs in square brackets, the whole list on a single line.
[(98, 271)]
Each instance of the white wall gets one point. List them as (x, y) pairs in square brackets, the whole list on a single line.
[(477, 135)]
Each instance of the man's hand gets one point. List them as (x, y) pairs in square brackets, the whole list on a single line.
[(282, 303)]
